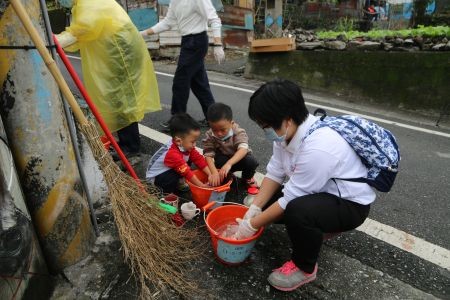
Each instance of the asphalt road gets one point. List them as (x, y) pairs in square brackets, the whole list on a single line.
[(419, 203)]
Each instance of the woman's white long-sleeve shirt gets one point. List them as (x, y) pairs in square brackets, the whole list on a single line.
[(310, 166), (191, 17)]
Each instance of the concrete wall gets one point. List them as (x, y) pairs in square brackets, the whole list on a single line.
[(402, 79), (32, 112)]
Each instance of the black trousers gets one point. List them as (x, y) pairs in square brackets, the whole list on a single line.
[(168, 181), (191, 74), (308, 217), (247, 165), (129, 138)]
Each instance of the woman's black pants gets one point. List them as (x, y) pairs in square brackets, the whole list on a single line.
[(308, 217)]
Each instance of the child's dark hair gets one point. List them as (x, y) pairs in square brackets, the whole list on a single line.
[(219, 111), (275, 101), (182, 124)]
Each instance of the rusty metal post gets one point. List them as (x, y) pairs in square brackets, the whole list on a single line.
[(31, 109)]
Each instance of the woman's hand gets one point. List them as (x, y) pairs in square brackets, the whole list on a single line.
[(245, 229), (146, 32), (252, 212), (219, 54)]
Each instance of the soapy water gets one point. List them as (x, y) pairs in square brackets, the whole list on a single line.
[(228, 231)]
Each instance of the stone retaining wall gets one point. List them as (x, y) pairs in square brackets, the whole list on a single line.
[(308, 40), (411, 80)]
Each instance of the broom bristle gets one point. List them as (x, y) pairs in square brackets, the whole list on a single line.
[(155, 248)]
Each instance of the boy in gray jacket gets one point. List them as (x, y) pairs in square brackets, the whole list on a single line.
[(226, 148)]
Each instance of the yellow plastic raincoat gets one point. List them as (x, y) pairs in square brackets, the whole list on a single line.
[(117, 69)]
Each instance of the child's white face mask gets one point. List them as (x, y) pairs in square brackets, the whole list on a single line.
[(228, 135)]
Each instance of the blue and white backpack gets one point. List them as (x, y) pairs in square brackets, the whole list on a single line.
[(375, 146)]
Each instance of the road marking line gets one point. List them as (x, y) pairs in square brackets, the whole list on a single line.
[(153, 134), (400, 239), (407, 242), (385, 121)]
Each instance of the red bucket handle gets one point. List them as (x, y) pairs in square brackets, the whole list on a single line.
[(208, 206), (221, 189)]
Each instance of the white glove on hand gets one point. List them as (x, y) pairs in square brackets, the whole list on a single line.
[(245, 229), (143, 33), (252, 212), (66, 39), (219, 55)]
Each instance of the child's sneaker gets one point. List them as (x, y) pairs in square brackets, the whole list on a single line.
[(289, 277), (182, 186), (251, 183)]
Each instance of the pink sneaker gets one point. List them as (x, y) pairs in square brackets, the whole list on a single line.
[(289, 277)]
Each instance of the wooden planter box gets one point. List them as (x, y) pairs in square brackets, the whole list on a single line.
[(273, 45)]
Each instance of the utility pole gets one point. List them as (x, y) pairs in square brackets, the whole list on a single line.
[(33, 115)]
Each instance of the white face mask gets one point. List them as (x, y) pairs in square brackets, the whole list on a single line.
[(66, 3), (228, 135), (272, 136)]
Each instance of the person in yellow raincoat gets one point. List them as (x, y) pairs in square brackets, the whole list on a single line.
[(117, 69)]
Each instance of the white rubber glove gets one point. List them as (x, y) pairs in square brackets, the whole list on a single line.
[(143, 33), (219, 55), (245, 229), (252, 212), (66, 39)]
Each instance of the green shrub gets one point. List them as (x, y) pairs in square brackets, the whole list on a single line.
[(424, 31)]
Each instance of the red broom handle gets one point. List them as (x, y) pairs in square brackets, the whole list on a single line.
[(93, 108)]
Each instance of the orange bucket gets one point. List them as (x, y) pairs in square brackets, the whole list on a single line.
[(201, 196), (229, 251)]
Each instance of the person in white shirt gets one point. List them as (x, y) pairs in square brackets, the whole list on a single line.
[(192, 18), (301, 188)]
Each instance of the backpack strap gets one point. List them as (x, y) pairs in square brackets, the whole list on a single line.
[(322, 112)]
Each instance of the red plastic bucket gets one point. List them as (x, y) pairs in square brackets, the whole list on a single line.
[(201, 196), (229, 251)]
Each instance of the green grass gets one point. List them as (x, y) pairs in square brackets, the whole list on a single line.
[(420, 31)]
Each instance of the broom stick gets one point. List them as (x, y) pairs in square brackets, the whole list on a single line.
[(93, 108), (154, 247)]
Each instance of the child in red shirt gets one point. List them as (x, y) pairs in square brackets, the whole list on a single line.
[(168, 167)]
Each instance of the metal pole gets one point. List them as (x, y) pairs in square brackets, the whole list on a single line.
[(70, 122)]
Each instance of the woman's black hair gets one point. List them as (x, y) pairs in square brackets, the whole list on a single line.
[(219, 111), (182, 124), (275, 101)]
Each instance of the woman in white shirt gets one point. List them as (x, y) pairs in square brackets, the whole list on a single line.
[(301, 188), (191, 17)]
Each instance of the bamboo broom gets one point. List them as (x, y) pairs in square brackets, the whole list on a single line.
[(155, 248)]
